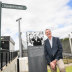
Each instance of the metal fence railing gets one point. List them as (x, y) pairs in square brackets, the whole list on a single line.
[(6, 57)]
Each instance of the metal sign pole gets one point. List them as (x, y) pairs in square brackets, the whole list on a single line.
[(0, 24)]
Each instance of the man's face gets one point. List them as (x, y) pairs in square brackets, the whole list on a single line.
[(48, 33)]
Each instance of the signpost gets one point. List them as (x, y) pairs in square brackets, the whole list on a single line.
[(9, 6), (0, 24)]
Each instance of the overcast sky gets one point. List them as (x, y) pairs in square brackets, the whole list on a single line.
[(40, 14)]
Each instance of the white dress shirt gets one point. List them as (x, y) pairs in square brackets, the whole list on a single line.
[(50, 41)]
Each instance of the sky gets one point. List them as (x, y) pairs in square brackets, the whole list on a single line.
[(40, 15)]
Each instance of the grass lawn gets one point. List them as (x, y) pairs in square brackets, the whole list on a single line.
[(68, 69)]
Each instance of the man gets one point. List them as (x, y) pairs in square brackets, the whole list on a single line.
[(53, 52)]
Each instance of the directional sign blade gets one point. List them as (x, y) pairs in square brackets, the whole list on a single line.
[(12, 6)]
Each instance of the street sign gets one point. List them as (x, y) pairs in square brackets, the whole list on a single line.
[(12, 6)]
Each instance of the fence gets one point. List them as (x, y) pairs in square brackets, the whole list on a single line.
[(6, 57)]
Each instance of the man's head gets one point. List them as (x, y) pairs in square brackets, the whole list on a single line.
[(48, 33)]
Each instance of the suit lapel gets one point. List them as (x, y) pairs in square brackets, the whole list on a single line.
[(52, 42)]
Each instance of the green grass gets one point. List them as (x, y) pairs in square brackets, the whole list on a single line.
[(68, 69)]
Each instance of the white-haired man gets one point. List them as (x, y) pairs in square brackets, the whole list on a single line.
[(53, 52)]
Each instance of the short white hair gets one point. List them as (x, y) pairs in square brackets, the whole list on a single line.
[(47, 29)]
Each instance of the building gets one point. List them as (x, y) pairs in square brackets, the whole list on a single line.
[(7, 43)]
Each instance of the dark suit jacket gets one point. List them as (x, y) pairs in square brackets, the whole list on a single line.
[(55, 52)]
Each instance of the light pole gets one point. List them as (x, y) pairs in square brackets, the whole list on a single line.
[(70, 42), (20, 49)]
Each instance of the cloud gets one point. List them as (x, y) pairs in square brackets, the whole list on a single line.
[(62, 32)]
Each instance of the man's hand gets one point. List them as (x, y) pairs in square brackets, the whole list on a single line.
[(54, 61), (52, 65)]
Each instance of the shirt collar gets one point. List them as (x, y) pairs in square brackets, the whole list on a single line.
[(51, 38)]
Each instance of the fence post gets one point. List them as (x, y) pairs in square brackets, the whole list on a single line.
[(6, 58), (18, 65), (9, 57)]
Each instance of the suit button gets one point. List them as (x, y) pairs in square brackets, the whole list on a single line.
[(53, 54)]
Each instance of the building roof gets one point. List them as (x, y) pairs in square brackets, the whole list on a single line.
[(7, 38)]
